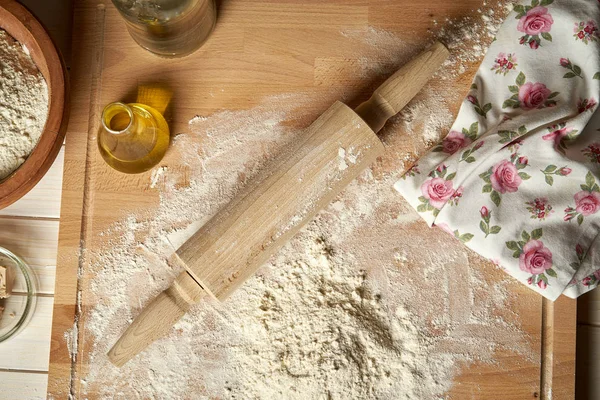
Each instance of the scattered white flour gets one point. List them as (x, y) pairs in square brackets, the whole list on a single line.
[(156, 176), (71, 339), (426, 115), (468, 38), (23, 104), (365, 302)]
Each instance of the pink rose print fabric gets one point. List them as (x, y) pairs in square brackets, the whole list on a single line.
[(533, 95), (437, 191), (559, 133), (529, 95), (454, 142), (505, 177), (587, 203), (535, 21), (517, 178), (505, 63), (586, 31), (539, 208)]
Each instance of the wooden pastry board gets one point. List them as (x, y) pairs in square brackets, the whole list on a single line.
[(259, 48)]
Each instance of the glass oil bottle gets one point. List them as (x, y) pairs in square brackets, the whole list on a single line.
[(169, 28), (133, 137)]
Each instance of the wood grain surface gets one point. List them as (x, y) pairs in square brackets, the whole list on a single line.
[(259, 48)]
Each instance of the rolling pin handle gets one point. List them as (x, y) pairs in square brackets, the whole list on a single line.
[(157, 319), (389, 98)]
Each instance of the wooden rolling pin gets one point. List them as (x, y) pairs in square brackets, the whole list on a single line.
[(230, 247)]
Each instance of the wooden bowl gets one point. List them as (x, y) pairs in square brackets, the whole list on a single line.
[(25, 28)]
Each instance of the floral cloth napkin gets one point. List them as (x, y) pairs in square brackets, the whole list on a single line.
[(517, 177)]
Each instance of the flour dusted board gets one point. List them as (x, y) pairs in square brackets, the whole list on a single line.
[(325, 51)]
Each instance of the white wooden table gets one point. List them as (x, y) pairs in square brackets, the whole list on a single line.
[(29, 228)]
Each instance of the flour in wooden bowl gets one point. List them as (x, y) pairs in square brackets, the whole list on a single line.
[(23, 104)]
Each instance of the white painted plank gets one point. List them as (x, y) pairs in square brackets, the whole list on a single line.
[(588, 308), (36, 241), (30, 349), (44, 199), (45, 276), (23, 385)]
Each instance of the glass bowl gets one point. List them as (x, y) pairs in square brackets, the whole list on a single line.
[(20, 306)]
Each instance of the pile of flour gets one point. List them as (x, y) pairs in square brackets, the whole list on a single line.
[(23, 104)]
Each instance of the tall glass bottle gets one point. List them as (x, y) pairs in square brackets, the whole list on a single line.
[(133, 137), (169, 28)]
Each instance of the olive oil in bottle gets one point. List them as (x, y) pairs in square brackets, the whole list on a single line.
[(133, 137)]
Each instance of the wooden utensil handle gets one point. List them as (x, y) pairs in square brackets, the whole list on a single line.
[(157, 318), (389, 98)]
